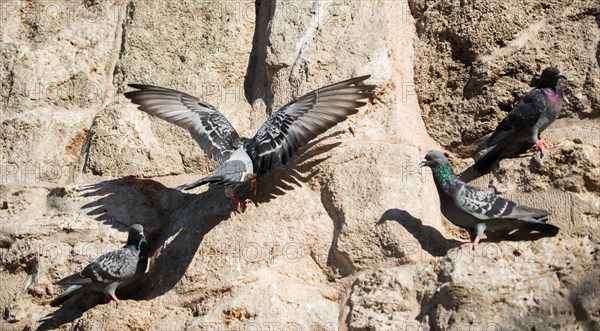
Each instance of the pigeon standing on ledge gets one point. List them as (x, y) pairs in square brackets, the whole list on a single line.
[(521, 128), (478, 210), (111, 270), (242, 159)]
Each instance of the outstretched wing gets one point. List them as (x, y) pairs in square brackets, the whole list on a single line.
[(296, 123), (485, 205), (525, 115), (110, 267), (208, 126)]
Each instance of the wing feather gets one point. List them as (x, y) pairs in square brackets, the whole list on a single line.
[(211, 130), (110, 267), (524, 115), (296, 123), (486, 205)]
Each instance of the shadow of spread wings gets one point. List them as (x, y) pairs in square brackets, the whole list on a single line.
[(296, 123), (207, 125)]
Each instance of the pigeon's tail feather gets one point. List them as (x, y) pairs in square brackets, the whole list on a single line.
[(485, 162), (533, 224), (75, 279), (66, 295), (528, 212), (200, 182)]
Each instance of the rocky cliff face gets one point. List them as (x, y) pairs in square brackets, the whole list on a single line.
[(349, 236)]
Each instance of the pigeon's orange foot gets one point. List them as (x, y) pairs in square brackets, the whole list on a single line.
[(252, 186), (543, 146), (240, 204), (471, 244)]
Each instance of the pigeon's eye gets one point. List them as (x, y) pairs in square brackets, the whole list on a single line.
[(432, 157)]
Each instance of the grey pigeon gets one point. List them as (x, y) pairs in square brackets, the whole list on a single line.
[(242, 159), (111, 270), (520, 129), (478, 210)]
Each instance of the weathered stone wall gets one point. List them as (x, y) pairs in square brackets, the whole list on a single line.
[(349, 236)]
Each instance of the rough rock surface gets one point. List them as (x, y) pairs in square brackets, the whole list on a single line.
[(477, 58), (349, 236)]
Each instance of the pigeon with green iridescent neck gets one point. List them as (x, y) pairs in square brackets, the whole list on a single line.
[(111, 270), (478, 210), (520, 129), (276, 141)]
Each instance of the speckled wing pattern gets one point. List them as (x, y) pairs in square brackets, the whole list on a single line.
[(482, 204), (525, 114), (296, 123), (211, 130), (485, 205), (111, 267)]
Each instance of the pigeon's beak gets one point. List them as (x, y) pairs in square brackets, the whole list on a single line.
[(561, 76), (422, 164)]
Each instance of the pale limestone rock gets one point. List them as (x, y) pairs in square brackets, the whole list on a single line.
[(349, 235)]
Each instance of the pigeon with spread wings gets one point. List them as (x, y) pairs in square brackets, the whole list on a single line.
[(242, 159)]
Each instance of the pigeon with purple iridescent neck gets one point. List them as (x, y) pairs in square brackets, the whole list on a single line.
[(478, 210), (520, 129), (111, 270)]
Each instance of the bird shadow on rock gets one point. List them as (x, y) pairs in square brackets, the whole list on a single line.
[(430, 239), (470, 174), (72, 309), (175, 224), (300, 169), (515, 235)]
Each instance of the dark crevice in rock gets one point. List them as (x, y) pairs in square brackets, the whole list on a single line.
[(9, 56), (416, 11), (85, 149), (116, 73), (339, 262), (130, 12), (256, 85), (348, 318), (461, 49), (477, 82), (598, 45), (442, 296)]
